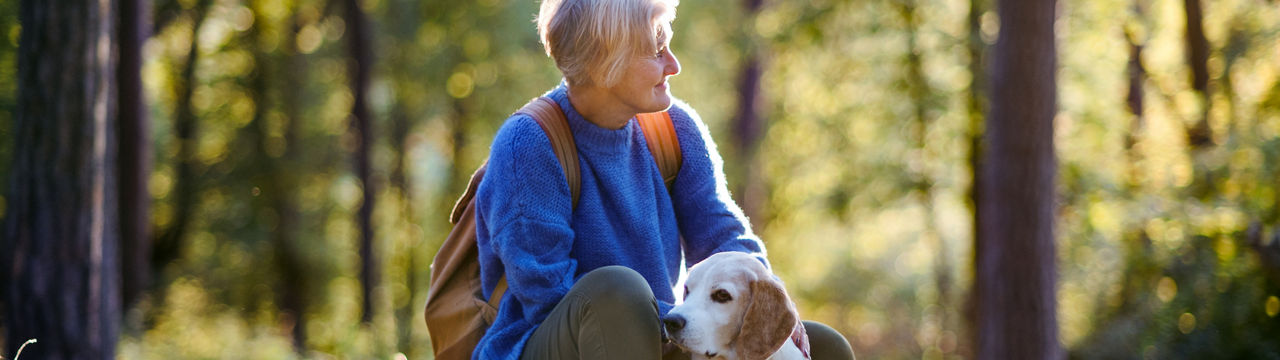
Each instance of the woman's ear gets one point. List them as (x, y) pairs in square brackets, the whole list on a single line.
[(767, 321)]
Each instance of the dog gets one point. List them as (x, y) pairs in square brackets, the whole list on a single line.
[(734, 308)]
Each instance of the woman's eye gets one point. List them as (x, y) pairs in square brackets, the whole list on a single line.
[(662, 51), (721, 296)]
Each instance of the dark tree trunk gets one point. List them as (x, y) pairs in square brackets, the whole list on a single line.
[(362, 128), (274, 168), (1267, 250), (399, 180), (458, 134), (749, 125), (1133, 100), (1015, 258), (1199, 135), (405, 320), (168, 243), (1197, 46), (60, 245), (402, 30), (134, 158), (294, 284), (919, 92), (976, 106)]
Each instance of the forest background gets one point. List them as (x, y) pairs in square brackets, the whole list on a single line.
[(300, 159)]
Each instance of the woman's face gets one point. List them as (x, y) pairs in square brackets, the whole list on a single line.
[(643, 86)]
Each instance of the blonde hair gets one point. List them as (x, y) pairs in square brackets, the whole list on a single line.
[(592, 41)]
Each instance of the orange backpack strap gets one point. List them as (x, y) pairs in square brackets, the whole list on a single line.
[(548, 115), (660, 134)]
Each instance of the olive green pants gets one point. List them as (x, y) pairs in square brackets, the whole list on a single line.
[(611, 313)]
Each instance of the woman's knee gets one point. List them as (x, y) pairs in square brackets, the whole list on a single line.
[(620, 314), (827, 343), (616, 286)]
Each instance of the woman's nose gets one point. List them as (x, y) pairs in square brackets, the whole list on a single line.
[(670, 65)]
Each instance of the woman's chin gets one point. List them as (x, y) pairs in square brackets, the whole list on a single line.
[(661, 102)]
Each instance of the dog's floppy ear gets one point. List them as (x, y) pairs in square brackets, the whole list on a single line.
[(767, 322)]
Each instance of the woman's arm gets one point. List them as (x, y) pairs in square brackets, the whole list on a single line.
[(523, 217), (709, 219)]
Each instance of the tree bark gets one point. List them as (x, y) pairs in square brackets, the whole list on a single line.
[(1015, 257), (976, 106), (134, 167), (60, 244), (1133, 98), (1199, 135), (289, 260), (274, 168), (403, 30), (167, 246), (1267, 250), (918, 90), (362, 128), (749, 125)]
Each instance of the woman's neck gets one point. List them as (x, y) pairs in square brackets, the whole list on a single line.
[(599, 106)]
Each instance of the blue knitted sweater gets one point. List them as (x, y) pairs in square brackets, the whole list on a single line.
[(528, 228)]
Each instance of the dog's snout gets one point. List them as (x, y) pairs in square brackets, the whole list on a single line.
[(673, 323)]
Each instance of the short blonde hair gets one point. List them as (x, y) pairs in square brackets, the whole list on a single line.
[(592, 41)]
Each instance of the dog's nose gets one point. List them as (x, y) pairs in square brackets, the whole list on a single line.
[(673, 323)]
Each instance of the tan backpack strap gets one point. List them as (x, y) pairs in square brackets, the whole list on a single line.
[(495, 298), (660, 134), (548, 115)]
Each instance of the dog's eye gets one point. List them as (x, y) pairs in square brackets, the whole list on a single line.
[(686, 292), (721, 296)]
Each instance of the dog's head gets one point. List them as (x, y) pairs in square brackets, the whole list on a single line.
[(733, 309)]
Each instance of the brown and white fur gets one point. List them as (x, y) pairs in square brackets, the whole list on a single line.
[(734, 308)]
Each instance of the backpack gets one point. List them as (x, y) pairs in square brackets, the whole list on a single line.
[(457, 313)]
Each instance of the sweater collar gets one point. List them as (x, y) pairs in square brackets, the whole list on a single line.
[(589, 136)]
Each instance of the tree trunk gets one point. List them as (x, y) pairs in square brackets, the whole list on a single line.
[(60, 243), (274, 168), (362, 129), (167, 246), (749, 125), (1015, 258), (402, 30), (289, 260), (1137, 76), (976, 106), (134, 158), (399, 180), (1199, 135), (919, 92)]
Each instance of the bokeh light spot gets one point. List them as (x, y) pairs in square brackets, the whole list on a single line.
[(460, 85), (309, 39), (1186, 323), (1166, 289)]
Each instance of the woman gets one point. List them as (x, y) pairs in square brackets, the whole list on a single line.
[(592, 280)]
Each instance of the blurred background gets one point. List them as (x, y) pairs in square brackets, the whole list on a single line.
[(303, 155)]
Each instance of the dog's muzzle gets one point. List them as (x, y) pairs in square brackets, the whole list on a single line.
[(672, 324)]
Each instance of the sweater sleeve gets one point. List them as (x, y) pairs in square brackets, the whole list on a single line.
[(709, 219), (524, 209)]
